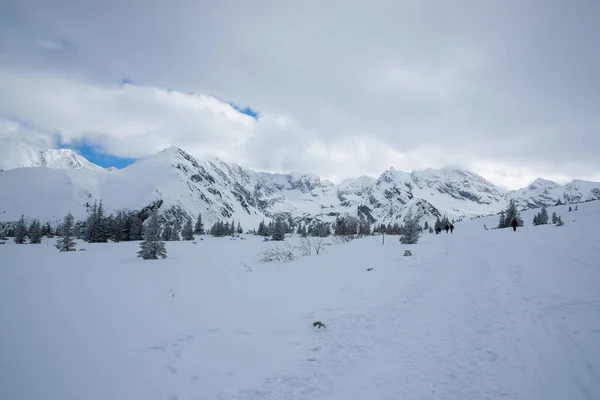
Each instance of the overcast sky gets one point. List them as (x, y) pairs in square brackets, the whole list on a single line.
[(509, 90)]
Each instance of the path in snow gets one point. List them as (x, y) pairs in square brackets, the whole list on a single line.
[(487, 317)]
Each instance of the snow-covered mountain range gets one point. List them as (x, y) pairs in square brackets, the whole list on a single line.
[(49, 183)]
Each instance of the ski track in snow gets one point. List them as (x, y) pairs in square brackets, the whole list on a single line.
[(467, 329), (471, 315)]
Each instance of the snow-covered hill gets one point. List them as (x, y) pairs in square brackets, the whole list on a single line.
[(14, 154), (227, 191)]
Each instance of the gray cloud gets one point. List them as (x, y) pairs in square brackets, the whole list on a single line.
[(510, 87)]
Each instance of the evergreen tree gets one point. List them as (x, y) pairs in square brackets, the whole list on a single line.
[(502, 221), (411, 231), (35, 232), (438, 223), (509, 215), (199, 227), (188, 232), (576, 208), (279, 229), (304, 232), (167, 233), (554, 218), (239, 229), (95, 226), (262, 229), (430, 230), (570, 209), (47, 230), (66, 241), (426, 226), (559, 222), (117, 227), (135, 227), (175, 231), (20, 231), (536, 219), (544, 216), (151, 248)]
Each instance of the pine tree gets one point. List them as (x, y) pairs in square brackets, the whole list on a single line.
[(47, 230), (199, 227), (554, 218), (559, 222), (167, 233), (35, 232), (66, 241), (20, 231), (536, 219), (426, 226), (430, 230), (411, 231), (570, 209), (135, 227), (96, 225), (239, 228), (152, 247), (278, 230), (543, 216), (175, 231), (502, 220), (188, 232)]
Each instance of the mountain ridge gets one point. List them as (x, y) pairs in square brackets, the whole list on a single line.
[(225, 191)]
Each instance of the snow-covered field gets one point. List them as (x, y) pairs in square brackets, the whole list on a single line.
[(471, 315)]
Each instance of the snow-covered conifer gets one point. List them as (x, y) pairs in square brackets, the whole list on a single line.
[(152, 247), (20, 231), (411, 231), (188, 232), (199, 227), (66, 241), (35, 232)]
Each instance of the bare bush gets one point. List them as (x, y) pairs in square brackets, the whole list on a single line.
[(248, 269), (284, 253), (339, 239), (309, 245)]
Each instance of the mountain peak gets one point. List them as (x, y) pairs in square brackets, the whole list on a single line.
[(15, 154)]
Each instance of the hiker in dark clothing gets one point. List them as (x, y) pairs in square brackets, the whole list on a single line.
[(514, 224), (437, 230), (446, 228), (451, 228)]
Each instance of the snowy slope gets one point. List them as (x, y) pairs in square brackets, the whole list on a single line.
[(228, 191), (14, 154), (471, 315)]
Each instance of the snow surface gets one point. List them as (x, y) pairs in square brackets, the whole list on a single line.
[(471, 315)]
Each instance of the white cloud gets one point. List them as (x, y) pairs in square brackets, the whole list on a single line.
[(344, 88)]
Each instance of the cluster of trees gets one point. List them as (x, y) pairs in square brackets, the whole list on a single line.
[(541, 218), (221, 228), (508, 215), (345, 226)]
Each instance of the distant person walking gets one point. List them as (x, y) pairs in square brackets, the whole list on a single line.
[(514, 224), (446, 228), (451, 227)]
